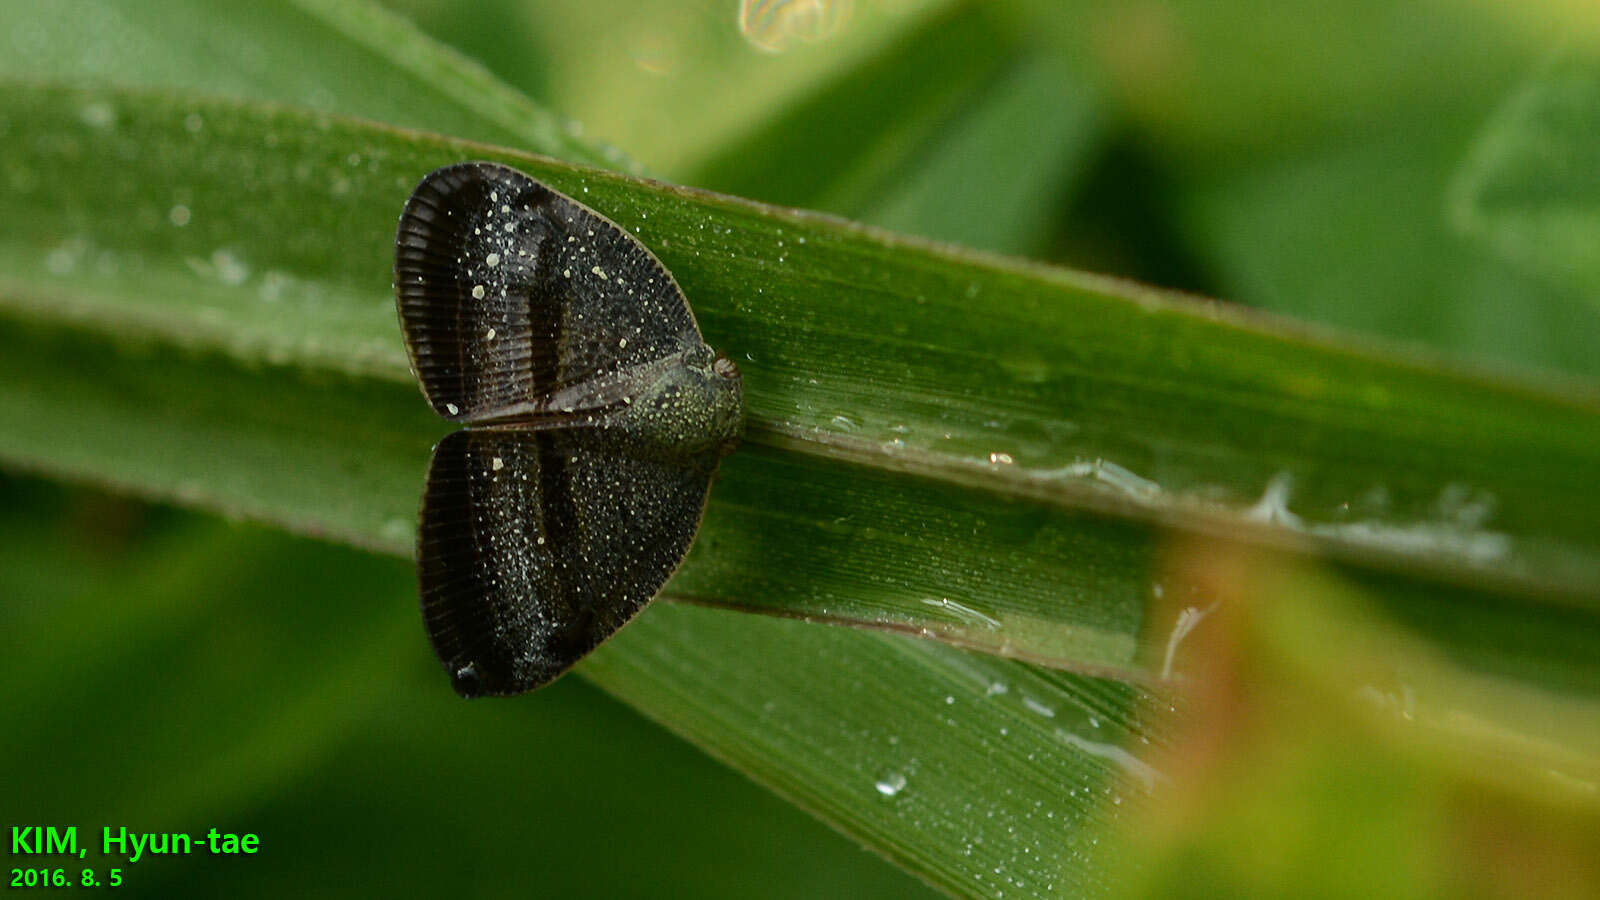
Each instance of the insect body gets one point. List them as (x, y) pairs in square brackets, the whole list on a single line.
[(597, 416)]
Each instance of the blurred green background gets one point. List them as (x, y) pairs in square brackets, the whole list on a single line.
[(1355, 163)]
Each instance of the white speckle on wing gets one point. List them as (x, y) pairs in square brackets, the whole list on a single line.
[(497, 464), (477, 292), (492, 259), (599, 271)]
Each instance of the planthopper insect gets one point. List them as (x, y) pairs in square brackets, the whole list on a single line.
[(596, 419)]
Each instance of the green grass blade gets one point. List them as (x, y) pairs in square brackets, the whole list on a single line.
[(342, 457), (858, 346), (983, 776)]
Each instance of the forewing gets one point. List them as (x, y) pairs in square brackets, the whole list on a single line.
[(535, 546), (508, 291)]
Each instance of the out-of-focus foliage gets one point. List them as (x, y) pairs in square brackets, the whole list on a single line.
[(1531, 187), (1329, 754)]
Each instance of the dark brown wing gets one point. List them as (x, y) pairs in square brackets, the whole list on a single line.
[(508, 290), (535, 546)]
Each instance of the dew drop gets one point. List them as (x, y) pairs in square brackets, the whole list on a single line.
[(229, 268), (98, 115), (398, 530)]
